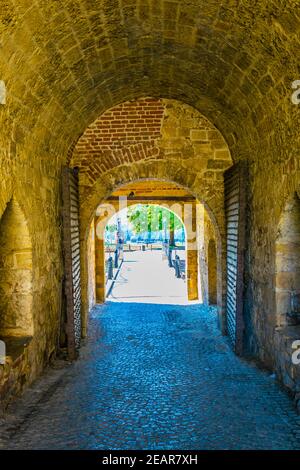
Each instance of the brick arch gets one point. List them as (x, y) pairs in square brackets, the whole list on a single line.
[(149, 129), (150, 138), (226, 122)]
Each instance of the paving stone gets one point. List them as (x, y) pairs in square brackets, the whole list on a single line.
[(188, 391)]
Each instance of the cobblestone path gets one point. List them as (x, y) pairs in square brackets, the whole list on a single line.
[(160, 377)]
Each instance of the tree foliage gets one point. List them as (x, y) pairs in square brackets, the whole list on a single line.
[(151, 218)]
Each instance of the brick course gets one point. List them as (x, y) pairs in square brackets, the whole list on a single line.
[(148, 129)]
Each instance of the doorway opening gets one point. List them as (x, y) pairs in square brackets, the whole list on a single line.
[(145, 256), (163, 223)]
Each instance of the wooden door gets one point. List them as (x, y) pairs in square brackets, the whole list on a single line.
[(235, 210), (71, 244)]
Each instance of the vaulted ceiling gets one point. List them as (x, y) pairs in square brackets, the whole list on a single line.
[(65, 62)]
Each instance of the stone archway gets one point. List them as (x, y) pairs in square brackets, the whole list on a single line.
[(88, 238), (152, 138), (176, 200), (170, 210)]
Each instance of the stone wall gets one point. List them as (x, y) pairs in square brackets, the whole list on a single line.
[(212, 272), (209, 261), (286, 371), (91, 266), (287, 263), (37, 312), (270, 190), (287, 294), (33, 184)]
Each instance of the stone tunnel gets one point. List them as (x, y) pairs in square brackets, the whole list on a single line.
[(168, 102)]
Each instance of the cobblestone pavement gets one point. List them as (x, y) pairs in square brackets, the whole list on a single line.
[(159, 377)]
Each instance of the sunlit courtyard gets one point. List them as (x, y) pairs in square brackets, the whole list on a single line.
[(146, 277)]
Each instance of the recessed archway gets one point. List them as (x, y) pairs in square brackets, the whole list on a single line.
[(15, 273), (287, 273)]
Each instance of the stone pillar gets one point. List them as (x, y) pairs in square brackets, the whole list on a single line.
[(99, 265), (192, 253), (212, 272), (192, 274)]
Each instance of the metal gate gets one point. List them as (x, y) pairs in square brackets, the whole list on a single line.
[(71, 243), (235, 211)]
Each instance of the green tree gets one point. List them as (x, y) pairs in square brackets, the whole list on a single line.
[(148, 218)]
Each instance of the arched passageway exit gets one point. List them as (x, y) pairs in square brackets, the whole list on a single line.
[(146, 255), (193, 232), (162, 140)]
